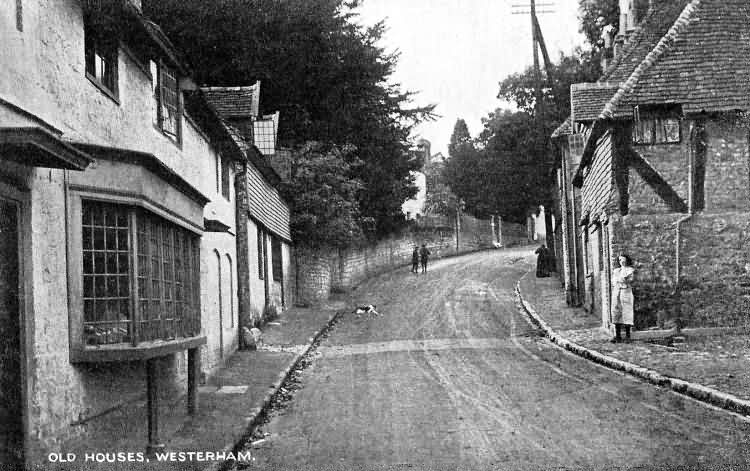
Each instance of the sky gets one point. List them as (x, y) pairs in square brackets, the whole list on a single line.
[(454, 52)]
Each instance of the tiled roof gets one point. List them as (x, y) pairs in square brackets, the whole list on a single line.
[(234, 102), (644, 38), (564, 129), (588, 99), (703, 62)]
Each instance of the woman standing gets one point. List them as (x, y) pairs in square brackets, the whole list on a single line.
[(622, 297)]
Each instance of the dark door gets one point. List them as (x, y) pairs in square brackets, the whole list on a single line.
[(11, 422)]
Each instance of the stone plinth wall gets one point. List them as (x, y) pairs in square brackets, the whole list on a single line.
[(714, 268), (313, 276)]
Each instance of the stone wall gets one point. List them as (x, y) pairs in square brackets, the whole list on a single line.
[(727, 185), (714, 268), (671, 161), (319, 273)]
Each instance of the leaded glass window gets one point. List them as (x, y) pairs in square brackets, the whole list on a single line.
[(163, 261)]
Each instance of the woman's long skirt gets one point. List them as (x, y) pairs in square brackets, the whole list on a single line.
[(622, 306)]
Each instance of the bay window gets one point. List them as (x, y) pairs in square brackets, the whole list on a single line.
[(140, 276)]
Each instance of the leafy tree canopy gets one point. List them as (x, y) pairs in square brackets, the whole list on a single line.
[(506, 169), (323, 71), (594, 14), (325, 212), (496, 174), (581, 66)]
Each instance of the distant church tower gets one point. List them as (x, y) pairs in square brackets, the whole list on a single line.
[(424, 148)]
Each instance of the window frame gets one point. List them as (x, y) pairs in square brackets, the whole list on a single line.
[(277, 262), (139, 344), (261, 255), (157, 68), (226, 180), (650, 125), (100, 48)]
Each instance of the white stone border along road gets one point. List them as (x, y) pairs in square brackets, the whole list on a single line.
[(257, 413), (694, 390)]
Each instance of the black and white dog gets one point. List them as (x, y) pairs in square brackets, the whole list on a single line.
[(368, 310)]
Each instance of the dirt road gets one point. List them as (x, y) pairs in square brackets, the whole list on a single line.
[(452, 376)]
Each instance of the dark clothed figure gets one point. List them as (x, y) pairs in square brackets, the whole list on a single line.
[(542, 262), (415, 260), (424, 256)]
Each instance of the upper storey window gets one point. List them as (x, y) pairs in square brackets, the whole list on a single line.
[(167, 107), (101, 57), (656, 125)]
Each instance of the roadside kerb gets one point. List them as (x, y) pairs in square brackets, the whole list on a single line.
[(257, 413), (696, 391)]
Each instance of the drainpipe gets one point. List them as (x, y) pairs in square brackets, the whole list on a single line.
[(677, 297), (678, 235)]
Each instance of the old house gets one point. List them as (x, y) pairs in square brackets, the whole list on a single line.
[(119, 226), (569, 252), (664, 175), (267, 274)]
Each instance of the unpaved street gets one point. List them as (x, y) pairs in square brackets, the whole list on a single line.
[(452, 376)]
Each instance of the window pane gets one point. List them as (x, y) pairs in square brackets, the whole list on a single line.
[(98, 238), (671, 130), (122, 239), (99, 262), (112, 262), (87, 239), (225, 178), (88, 286)]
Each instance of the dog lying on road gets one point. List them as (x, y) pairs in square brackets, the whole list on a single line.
[(368, 310)]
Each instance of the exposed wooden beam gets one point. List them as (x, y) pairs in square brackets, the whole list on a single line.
[(656, 181)]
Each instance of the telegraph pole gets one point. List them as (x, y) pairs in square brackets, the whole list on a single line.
[(538, 43)]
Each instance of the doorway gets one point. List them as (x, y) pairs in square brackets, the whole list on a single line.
[(11, 410)]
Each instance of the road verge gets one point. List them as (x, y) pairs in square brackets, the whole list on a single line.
[(693, 390)]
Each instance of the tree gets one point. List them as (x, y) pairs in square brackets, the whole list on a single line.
[(594, 14), (463, 170), (324, 209), (459, 138), (439, 198), (496, 174), (581, 66), (323, 71)]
